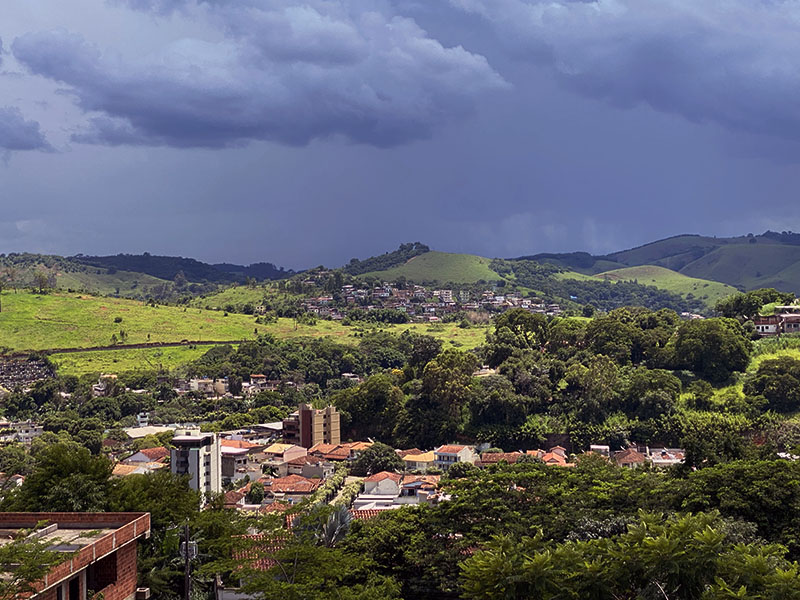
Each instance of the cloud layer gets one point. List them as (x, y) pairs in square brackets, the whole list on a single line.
[(18, 134), (733, 62), (283, 71)]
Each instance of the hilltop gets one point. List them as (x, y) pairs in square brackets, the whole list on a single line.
[(549, 281), (672, 281), (132, 276), (746, 262), (441, 267)]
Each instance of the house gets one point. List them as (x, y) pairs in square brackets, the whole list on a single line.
[(387, 491), (600, 449), (557, 457), (384, 482), (666, 457), (123, 470), (21, 431), (447, 455), (291, 489), (786, 319), (493, 458), (308, 466), (100, 552), (209, 387), (419, 462), (104, 385), (277, 454), (147, 455), (630, 458), (416, 489), (339, 452)]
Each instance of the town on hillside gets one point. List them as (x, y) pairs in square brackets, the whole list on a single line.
[(391, 463)]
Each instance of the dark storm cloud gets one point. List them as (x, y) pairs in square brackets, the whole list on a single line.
[(733, 62), (283, 71), (18, 134)]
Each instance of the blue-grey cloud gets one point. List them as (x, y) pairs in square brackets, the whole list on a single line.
[(18, 134), (283, 71), (733, 62)]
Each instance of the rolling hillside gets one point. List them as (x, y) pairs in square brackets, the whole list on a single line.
[(672, 281), (441, 267), (57, 321), (746, 262)]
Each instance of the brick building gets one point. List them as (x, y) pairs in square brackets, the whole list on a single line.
[(308, 427), (102, 552)]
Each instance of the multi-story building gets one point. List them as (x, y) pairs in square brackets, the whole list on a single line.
[(447, 455), (99, 552), (198, 455), (22, 431), (309, 426)]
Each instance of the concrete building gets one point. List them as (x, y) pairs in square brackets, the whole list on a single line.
[(449, 454), (198, 455), (309, 426), (22, 431), (99, 552)]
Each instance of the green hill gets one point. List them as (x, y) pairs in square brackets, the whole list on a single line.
[(751, 266), (747, 262), (58, 320), (672, 281), (442, 267)]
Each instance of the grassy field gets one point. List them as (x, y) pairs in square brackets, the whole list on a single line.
[(59, 320), (236, 295), (34, 322), (751, 265), (120, 361), (101, 282), (672, 281), (442, 267)]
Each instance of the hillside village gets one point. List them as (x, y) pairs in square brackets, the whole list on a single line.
[(300, 446)]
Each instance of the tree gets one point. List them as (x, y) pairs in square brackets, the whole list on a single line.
[(378, 457), (256, 493), (683, 557), (778, 382), (12, 275), (530, 329), (370, 410), (712, 348), (650, 393), (66, 478), (24, 563), (747, 305), (41, 281)]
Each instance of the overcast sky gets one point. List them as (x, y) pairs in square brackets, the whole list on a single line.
[(304, 132)]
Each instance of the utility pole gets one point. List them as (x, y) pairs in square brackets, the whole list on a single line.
[(187, 579)]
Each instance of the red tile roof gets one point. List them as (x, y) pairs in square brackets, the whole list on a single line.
[(306, 460), (629, 456), (237, 444), (275, 507), (155, 454), (413, 451), (363, 515), (384, 475), (490, 458), (292, 484), (258, 550), (322, 448), (450, 449)]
